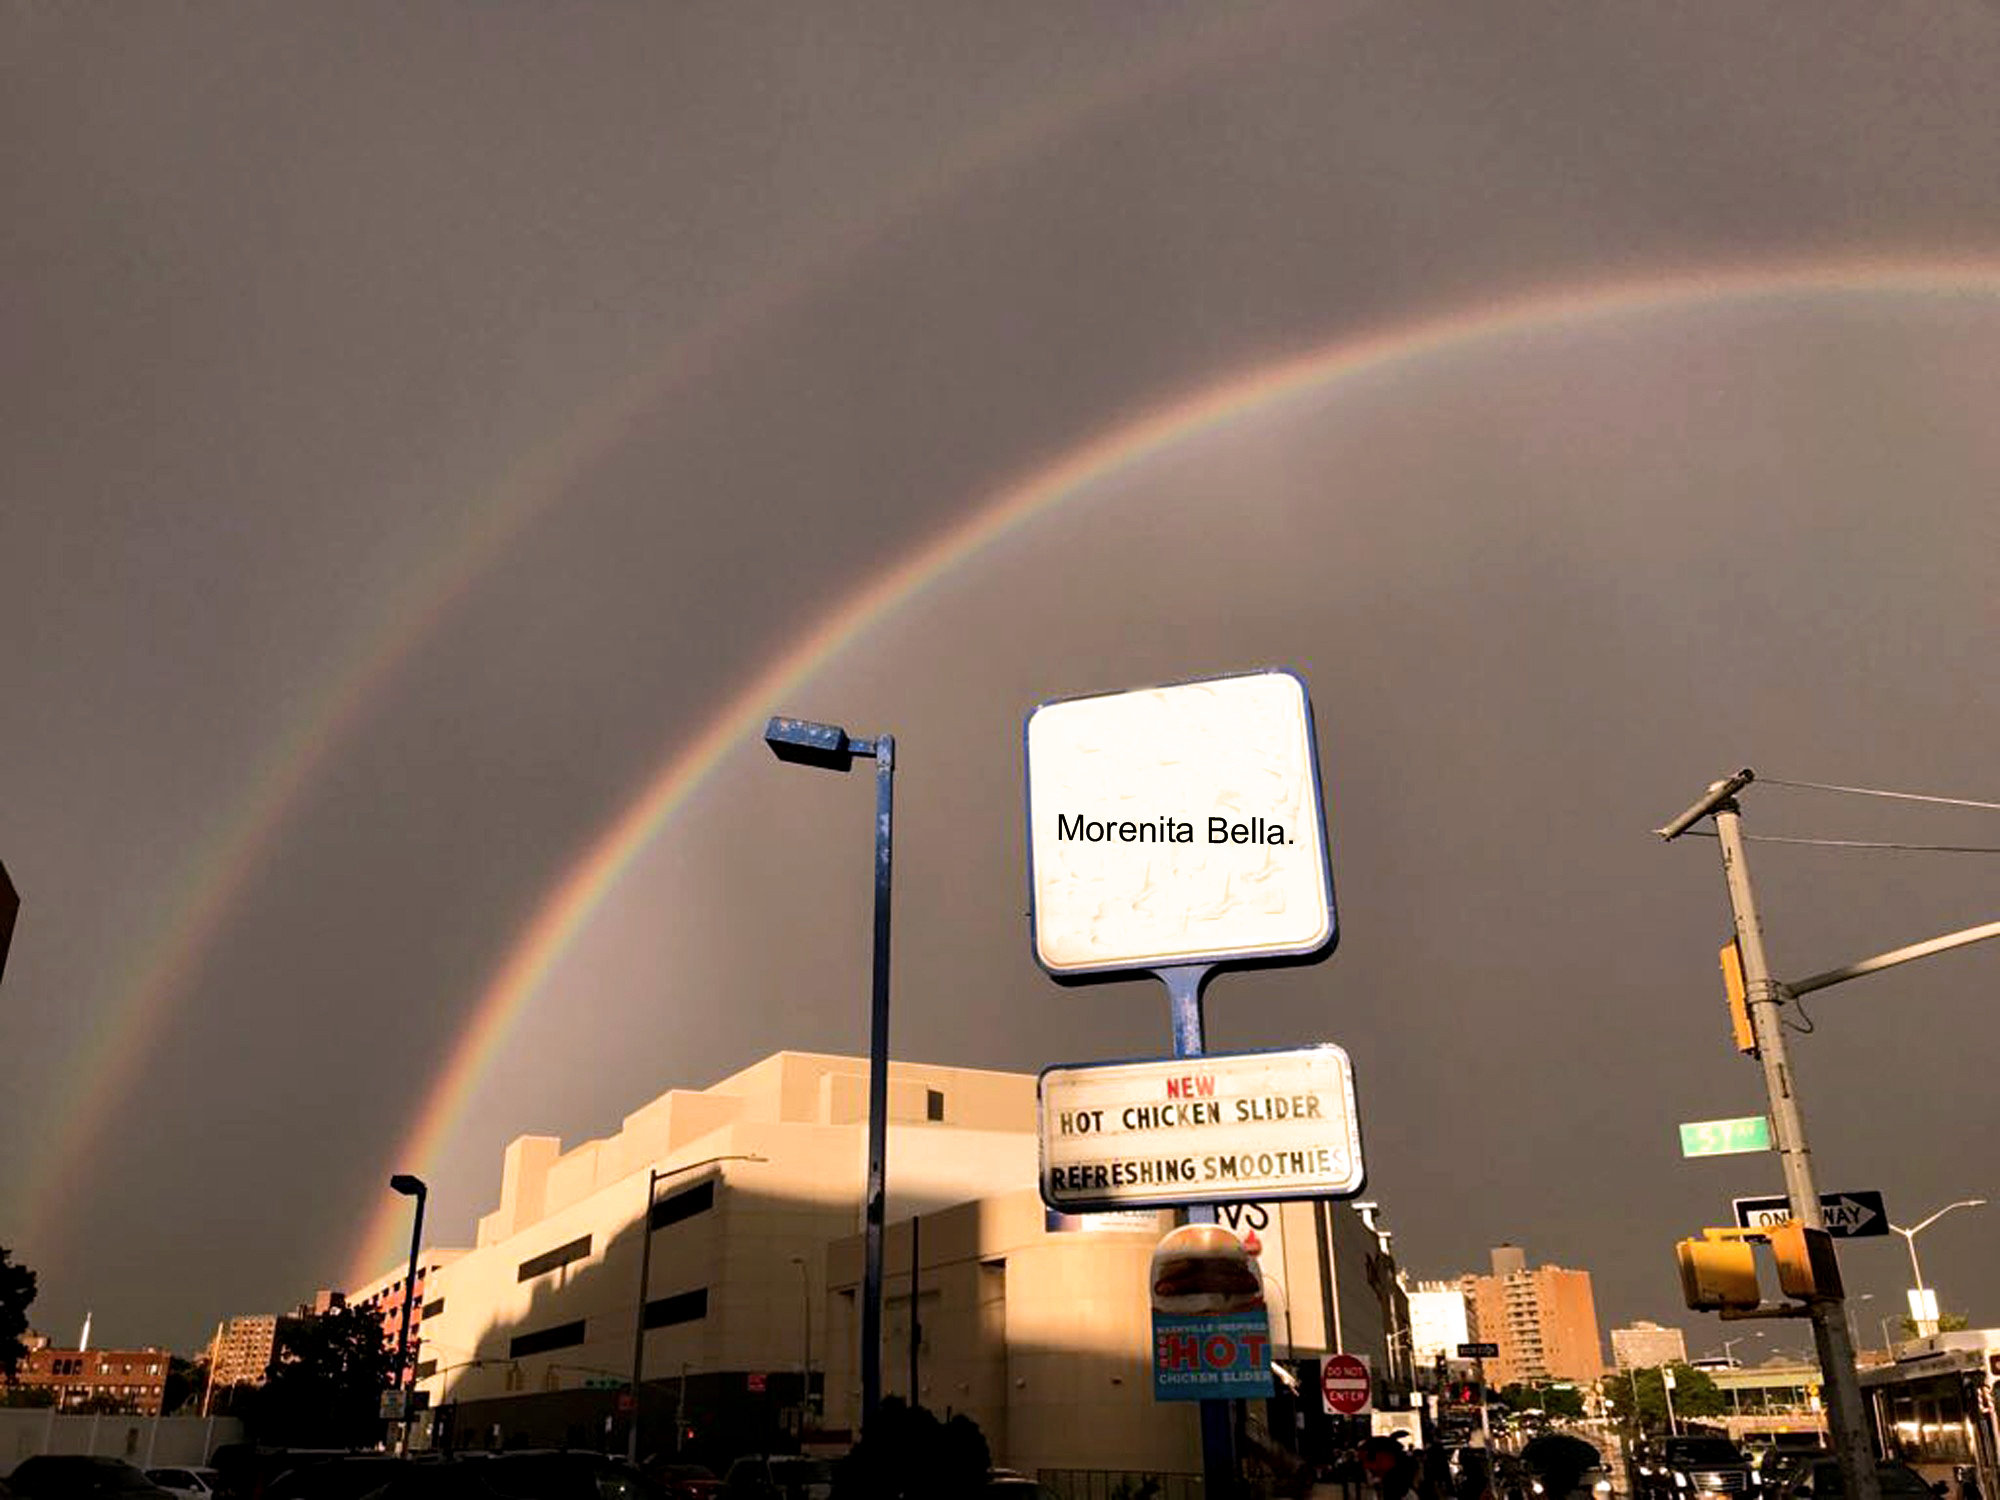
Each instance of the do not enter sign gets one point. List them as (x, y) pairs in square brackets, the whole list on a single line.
[(1345, 1386)]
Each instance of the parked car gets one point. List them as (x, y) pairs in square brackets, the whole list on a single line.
[(74, 1476), (685, 1481), (1558, 1466), (188, 1483), (1778, 1465), (1821, 1478), (335, 1476), (1692, 1468), (564, 1475), (767, 1476)]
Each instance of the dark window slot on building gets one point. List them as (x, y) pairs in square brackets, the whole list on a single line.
[(432, 1309), (554, 1259), (933, 1104), (696, 1200), (427, 1369), (562, 1336), (682, 1307)]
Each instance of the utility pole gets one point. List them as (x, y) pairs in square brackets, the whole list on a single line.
[(1846, 1419)]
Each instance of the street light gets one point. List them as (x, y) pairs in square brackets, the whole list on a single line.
[(1917, 1271), (654, 1177), (828, 746), (409, 1187), (806, 1348)]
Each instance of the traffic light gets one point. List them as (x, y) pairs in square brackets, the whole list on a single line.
[(1718, 1274), (1807, 1266), (1739, 1001)]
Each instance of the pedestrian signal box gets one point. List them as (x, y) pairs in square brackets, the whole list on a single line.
[(1744, 1035), (1718, 1274), (1807, 1266)]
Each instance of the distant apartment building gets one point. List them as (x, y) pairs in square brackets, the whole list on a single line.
[(1646, 1346), (384, 1298), (120, 1380), (1439, 1321), (1543, 1318), (242, 1350)]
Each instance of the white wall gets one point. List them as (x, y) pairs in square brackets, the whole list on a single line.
[(145, 1441)]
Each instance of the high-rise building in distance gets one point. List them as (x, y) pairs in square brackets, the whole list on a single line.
[(1544, 1318)]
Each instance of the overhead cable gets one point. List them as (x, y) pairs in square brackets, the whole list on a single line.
[(1871, 791), (1774, 838)]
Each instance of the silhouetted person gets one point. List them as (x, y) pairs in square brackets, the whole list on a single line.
[(1391, 1469)]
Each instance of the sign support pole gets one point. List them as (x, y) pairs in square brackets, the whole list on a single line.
[(1218, 1446), (1765, 995)]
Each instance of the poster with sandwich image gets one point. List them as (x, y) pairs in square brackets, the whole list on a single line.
[(1211, 1332)]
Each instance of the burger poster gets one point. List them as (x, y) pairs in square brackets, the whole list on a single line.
[(1211, 1333)]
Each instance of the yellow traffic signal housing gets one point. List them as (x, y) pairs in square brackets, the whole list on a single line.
[(1718, 1274), (1738, 997), (1807, 1266)]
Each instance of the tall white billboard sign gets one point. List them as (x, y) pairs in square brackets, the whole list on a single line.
[(1177, 826)]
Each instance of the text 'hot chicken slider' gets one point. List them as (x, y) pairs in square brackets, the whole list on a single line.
[(1203, 1268)]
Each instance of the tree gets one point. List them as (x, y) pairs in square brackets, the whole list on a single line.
[(1556, 1400), (1948, 1322), (17, 1290), (906, 1453), (1695, 1395), (187, 1382), (326, 1380)]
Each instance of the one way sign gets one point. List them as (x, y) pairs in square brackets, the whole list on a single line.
[(1849, 1216)]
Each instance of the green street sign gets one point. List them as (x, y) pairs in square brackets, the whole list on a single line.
[(1725, 1137)]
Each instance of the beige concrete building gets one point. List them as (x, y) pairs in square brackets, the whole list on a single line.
[(1543, 1318), (1039, 1325), (760, 1171), (1647, 1346)]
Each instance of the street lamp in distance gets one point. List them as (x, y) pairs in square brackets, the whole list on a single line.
[(1919, 1304), (654, 1177)]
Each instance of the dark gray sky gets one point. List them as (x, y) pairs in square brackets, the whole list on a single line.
[(422, 421)]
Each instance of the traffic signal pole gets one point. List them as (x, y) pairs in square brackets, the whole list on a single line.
[(1845, 1416)]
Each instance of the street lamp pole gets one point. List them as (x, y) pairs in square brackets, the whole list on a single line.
[(409, 1187), (1917, 1271), (806, 1349), (829, 747), (654, 1177)]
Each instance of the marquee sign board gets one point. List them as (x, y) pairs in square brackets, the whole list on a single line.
[(1221, 1128), (1177, 826)]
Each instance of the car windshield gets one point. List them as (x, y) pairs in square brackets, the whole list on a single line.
[(1703, 1451)]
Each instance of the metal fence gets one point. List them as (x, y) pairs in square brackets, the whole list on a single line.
[(1119, 1484)]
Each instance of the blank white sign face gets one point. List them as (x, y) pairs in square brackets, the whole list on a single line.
[(1177, 825)]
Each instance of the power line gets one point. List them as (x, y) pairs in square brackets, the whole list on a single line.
[(1773, 838), (1871, 791)]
